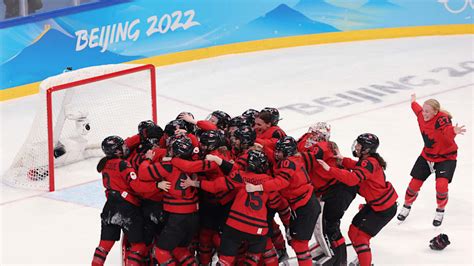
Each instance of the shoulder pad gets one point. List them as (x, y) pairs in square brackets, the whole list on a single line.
[(442, 121), (366, 164), (168, 167), (287, 164), (124, 165), (277, 134), (236, 177)]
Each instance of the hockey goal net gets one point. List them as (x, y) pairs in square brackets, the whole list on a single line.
[(77, 110)]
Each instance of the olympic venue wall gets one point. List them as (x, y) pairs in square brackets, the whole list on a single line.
[(163, 32)]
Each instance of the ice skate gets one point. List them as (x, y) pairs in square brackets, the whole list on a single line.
[(438, 219), (404, 213)]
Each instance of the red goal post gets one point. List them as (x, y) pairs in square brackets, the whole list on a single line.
[(77, 110)]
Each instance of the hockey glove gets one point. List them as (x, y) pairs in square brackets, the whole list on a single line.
[(439, 242)]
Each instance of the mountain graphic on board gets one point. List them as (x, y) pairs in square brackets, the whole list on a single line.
[(48, 57), (285, 21)]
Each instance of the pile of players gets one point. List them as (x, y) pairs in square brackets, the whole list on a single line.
[(204, 186)]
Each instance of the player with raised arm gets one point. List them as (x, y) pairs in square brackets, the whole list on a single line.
[(379, 194), (438, 155), (122, 208)]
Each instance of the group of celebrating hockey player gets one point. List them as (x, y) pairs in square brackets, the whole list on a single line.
[(201, 187)]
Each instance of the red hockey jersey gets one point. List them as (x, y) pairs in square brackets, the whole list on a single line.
[(292, 181), (248, 212), (438, 136), (117, 174), (321, 179), (369, 175), (177, 199)]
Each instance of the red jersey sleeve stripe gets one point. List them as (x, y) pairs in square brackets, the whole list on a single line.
[(360, 174), (285, 175)]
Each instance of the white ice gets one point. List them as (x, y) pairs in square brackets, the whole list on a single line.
[(62, 228)]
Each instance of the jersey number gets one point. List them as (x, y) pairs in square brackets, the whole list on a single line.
[(254, 200)]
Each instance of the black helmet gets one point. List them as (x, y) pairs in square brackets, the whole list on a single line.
[(212, 139), (250, 115), (222, 119), (190, 128), (149, 130), (173, 125), (439, 242), (239, 121), (112, 146), (182, 146), (275, 115), (369, 143), (257, 162), (287, 145), (246, 135)]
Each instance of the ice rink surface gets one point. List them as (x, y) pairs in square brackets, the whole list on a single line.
[(358, 87)]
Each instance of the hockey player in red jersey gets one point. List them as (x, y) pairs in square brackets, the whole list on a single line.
[(214, 208), (242, 141), (180, 204), (122, 208), (294, 184), (150, 135), (335, 196), (247, 220), (438, 155), (266, 127), (379, 194)]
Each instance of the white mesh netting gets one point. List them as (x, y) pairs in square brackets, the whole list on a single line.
[(82, 116)]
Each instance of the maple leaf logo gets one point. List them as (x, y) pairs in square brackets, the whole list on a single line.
[(428, 142)]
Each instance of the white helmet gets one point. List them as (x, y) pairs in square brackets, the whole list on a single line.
[(322, 130)]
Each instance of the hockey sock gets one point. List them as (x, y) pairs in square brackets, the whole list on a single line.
[(184, 257), (251, 259), (302, 251), (101, 252), (412, 191), (205, 245), (225, 260), (361, 243), (270, 256), (277, 237), (135, 256), (164, 257), (441, 192)]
